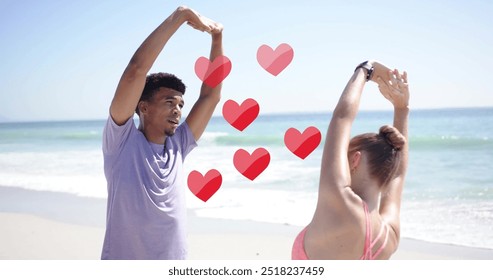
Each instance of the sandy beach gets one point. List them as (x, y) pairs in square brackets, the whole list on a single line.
[(55, 226)]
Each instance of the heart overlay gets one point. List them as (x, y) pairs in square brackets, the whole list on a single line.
[(204, 187), (240, 116), (302, 144), (252, 165), (274, 61), (212, 74)]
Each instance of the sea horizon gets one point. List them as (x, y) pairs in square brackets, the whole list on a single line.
[(6, 120)]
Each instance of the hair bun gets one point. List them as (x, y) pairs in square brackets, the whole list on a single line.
[(392, 136)]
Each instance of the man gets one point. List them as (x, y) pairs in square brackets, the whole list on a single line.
[(143, 167)]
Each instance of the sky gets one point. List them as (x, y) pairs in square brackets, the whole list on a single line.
[(62, 60)]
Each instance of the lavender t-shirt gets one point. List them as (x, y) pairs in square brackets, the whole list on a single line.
[(146, 214)]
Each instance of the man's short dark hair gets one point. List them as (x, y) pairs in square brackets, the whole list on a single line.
[(156, 81)]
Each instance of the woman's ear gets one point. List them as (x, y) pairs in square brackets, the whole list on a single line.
[(355, 160)]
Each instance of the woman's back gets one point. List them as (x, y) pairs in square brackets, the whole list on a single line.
[(358, 234)]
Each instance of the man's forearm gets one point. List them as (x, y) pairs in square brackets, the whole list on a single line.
[(204, 107), (216, 51), (149, 50), (216, 46)]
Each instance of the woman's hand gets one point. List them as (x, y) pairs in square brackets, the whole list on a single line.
[(379, 70), (395, 88)]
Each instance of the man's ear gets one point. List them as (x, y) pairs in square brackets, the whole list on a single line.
[(355, 160), (142, 107)]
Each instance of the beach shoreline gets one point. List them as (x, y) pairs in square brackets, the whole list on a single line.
[(42, 225)]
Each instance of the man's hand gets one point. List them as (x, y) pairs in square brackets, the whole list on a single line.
[(395, 88), (199, 22)]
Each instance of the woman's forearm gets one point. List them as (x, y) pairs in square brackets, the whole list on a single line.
[(401, 119), (347, 107)]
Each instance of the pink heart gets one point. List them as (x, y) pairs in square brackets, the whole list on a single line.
[(240, 116), (204, 187), (252, 165), (274, 61), (212, 74), (302, 144)]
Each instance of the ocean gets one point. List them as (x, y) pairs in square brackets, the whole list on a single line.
[(448, 196)]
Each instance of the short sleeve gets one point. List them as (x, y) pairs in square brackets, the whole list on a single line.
[(114, 136), (186, 139)]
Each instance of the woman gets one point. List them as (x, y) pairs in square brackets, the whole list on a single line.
[(361, 180)]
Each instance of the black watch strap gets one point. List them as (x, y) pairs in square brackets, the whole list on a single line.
[(368, 67)]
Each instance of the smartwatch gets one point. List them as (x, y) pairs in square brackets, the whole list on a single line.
[(368, 67)]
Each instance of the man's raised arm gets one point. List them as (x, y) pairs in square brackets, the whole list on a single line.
[(202, 110), (132, 82)]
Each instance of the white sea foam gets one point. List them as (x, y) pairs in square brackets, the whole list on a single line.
[(466, 223), (75, 172), (257, 204), (284, 193), (208, 138)]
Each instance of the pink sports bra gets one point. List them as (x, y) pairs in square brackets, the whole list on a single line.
[(367, 252), (298, 252)]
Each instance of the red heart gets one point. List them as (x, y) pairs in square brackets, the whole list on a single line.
[(274, 61), (240, 116), (252, 165), (302, 144), (212, 74), (204, 187)]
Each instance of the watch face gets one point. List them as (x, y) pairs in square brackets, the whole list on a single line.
[(369, 69), (370, 74), (363, 65)]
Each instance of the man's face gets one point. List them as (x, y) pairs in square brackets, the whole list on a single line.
[(163, 111)]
